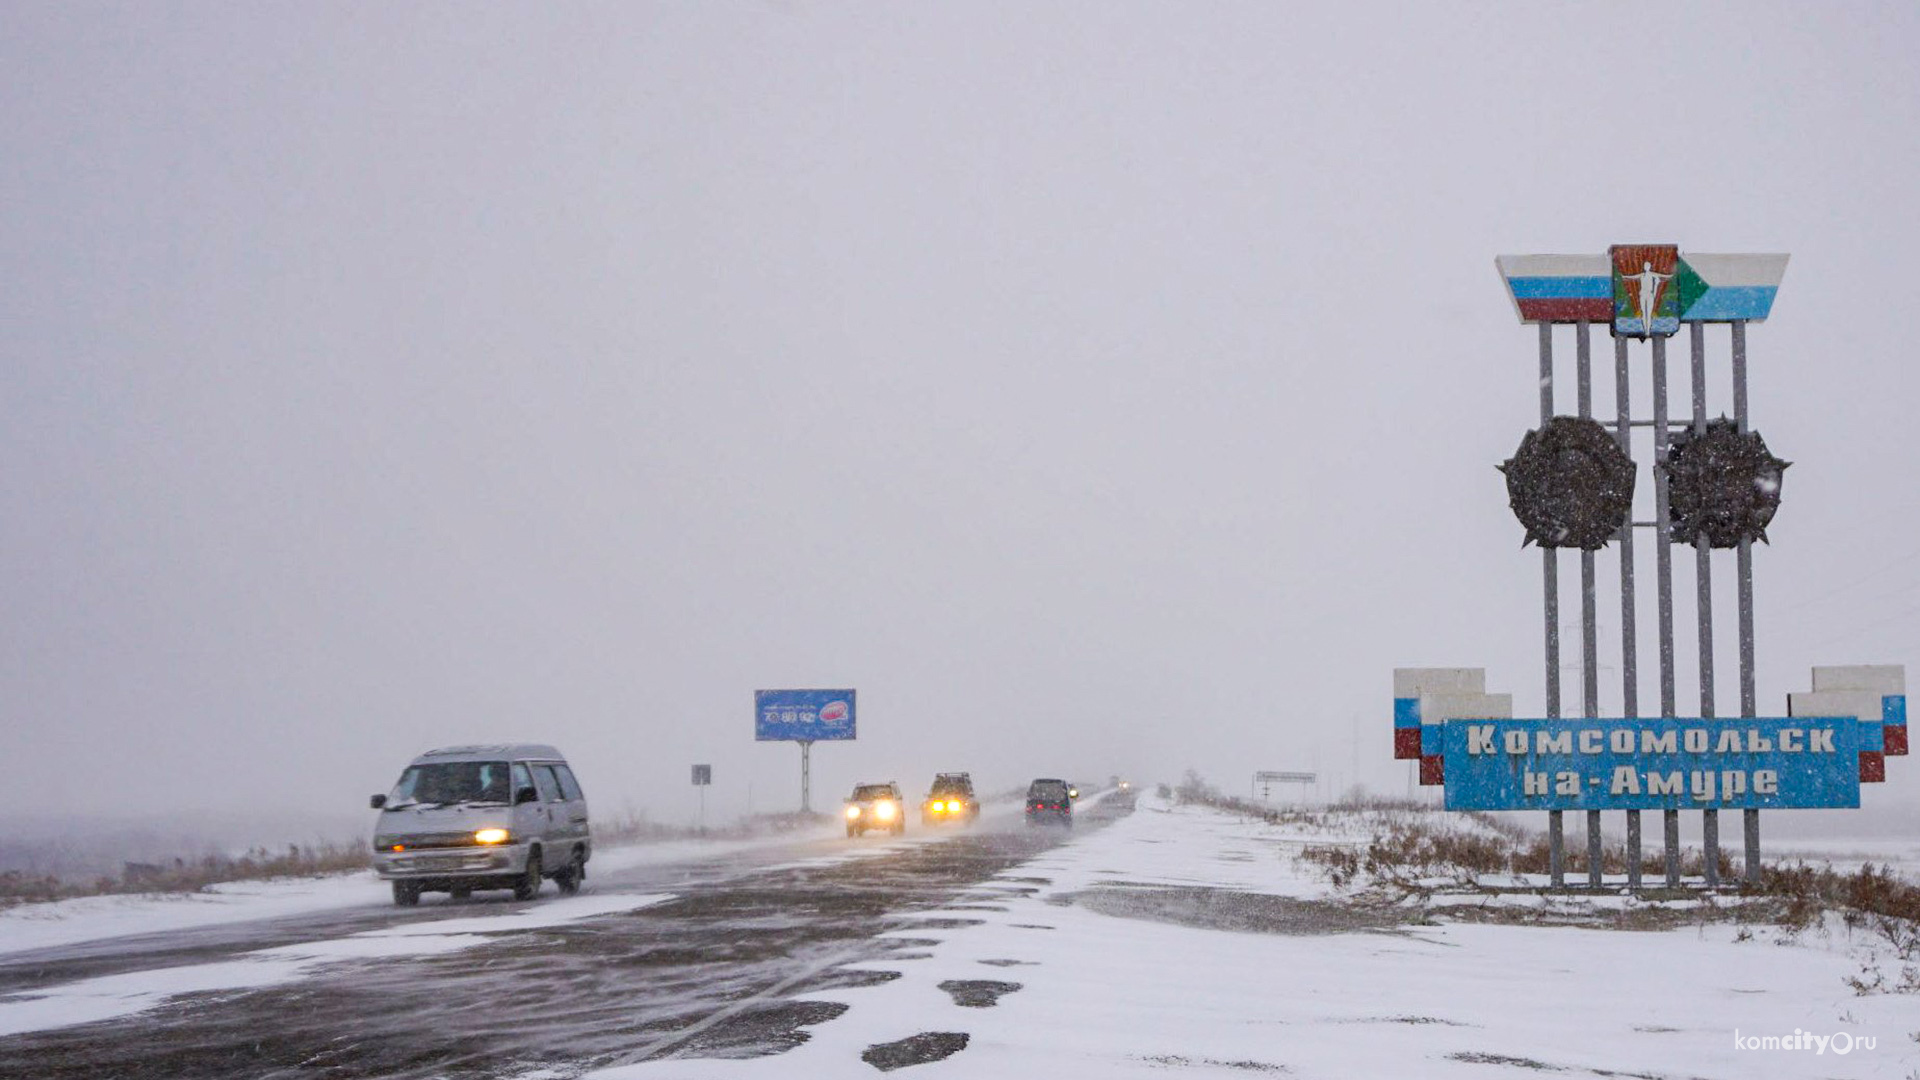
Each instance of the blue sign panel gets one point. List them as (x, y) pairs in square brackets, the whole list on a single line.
[(802, 715), (1653, 764)]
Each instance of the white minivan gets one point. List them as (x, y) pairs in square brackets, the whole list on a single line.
[(482, 817)]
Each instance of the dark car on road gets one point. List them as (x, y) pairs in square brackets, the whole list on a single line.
[(1050, 802)]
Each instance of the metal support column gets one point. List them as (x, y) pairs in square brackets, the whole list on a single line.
[(1550, 580), (1749, 705), (1663, 550), (1629, 669), (1703, 599), (1589, 617), (806, 776)]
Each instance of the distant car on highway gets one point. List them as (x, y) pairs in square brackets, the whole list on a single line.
[(876, 806), (1050, 802), (951, 799)]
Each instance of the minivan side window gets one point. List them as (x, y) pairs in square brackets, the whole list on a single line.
[(549, 787), (568, 785), (521, 778)]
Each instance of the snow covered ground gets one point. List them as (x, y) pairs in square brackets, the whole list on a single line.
[(1901, 855), (1088, 993)]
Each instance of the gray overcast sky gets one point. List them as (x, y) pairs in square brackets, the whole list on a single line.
[(1096, 387)]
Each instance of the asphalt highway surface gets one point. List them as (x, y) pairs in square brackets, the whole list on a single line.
[(711, 972)]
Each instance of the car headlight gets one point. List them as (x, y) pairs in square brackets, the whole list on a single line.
[(953, 807), (492, 836), (883, 811), (853, 812)]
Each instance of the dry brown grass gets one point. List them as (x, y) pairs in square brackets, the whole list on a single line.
[(189, 875)]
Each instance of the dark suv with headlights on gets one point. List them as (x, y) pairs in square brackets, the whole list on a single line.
[(951, 799), (876, 806), (1050, 802)]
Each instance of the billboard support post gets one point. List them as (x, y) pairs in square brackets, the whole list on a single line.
[(806, 776)]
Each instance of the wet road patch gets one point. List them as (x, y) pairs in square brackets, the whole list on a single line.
[(1178, 1061), (1475, 1058), (938, 924), (773, 1028), (1227, 909), (921, 1049), (1011, 963), (977, 993)]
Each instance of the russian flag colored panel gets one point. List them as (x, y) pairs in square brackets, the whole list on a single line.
[(1406, 728), (1559, 288), (1866, 706)]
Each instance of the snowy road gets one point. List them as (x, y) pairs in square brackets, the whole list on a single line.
[(695, 955), (1169, 942)]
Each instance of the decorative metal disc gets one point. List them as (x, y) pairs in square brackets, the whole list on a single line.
[(1570, 484), (1721, 484)]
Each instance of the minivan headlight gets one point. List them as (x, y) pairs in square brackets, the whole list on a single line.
[(492, 836)]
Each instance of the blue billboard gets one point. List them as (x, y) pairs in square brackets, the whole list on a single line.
[(1654, 764), (802, 715)]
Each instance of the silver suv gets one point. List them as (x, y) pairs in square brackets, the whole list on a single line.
[(482, 817), (876, 806)]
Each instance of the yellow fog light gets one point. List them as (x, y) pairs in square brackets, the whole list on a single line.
[(853, 812), (491, 836), (883, 810)]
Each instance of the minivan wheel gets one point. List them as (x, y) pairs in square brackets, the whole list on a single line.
[(406, 893), (570, 878), (528, 886)]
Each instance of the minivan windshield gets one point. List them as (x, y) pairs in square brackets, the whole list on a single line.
[(443, 782)]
